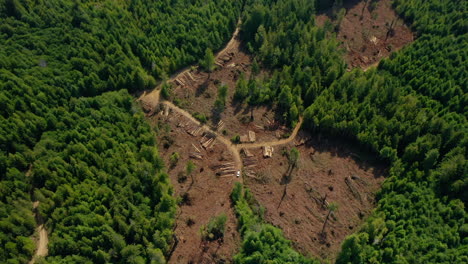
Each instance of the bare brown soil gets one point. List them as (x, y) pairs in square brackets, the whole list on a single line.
[(205, 197), (297, 206), (207, 194), (199, 91), (369, 31)]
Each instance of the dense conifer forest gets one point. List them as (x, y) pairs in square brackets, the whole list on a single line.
[(72, 138), (411, 112), (91, 162)]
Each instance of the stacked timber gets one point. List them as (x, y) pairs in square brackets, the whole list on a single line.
[(190, 76), (194, 131), (196, 155), (226, 169), (250, 162), (252, 137), (207, 142), (220, 125), (179, 82), (267, 151)]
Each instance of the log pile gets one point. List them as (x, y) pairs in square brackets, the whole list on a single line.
[(220, 125), (179, 82), (224, 59), (194, 131), (260, 127), (196, 154), (267, 151), (207, 142), (183, 125), (226, 169), (250, 162)]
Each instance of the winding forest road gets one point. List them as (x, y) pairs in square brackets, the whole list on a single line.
[(41, 250), (153, 99), (231, 147), (275, 142)]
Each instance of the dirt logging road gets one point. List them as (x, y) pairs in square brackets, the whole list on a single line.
[(275, 142), (231, 147), (153, 99), (41, 250)]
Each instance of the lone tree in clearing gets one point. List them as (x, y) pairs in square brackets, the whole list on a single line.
[(215, 228), (332, 207), (208, 61), (189, 169), (293, 157)]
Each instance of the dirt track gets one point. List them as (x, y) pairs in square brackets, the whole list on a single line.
[(43, 241), (232, 148), (275, 142), (153, 99)]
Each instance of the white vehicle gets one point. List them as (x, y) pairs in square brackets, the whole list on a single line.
[(238, 173)]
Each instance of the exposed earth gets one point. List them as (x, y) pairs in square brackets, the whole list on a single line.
[(327, 172), (369, 31), (43, 239)]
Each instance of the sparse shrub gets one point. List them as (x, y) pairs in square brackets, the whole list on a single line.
[(181, 177), (200, 117), (219, 105), (235, 139), (215, 228), (178, 102), (190, 167), (236, 193), (173, 159), (190, 221), (166, 90), (208, 61), (167, 142), (185, 199)]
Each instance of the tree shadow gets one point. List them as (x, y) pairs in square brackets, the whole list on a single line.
[(215, 116), (237, 105), (283, 196), (346, 148), (201, 89)]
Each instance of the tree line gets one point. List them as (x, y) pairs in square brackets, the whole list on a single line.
[(262, 242)]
